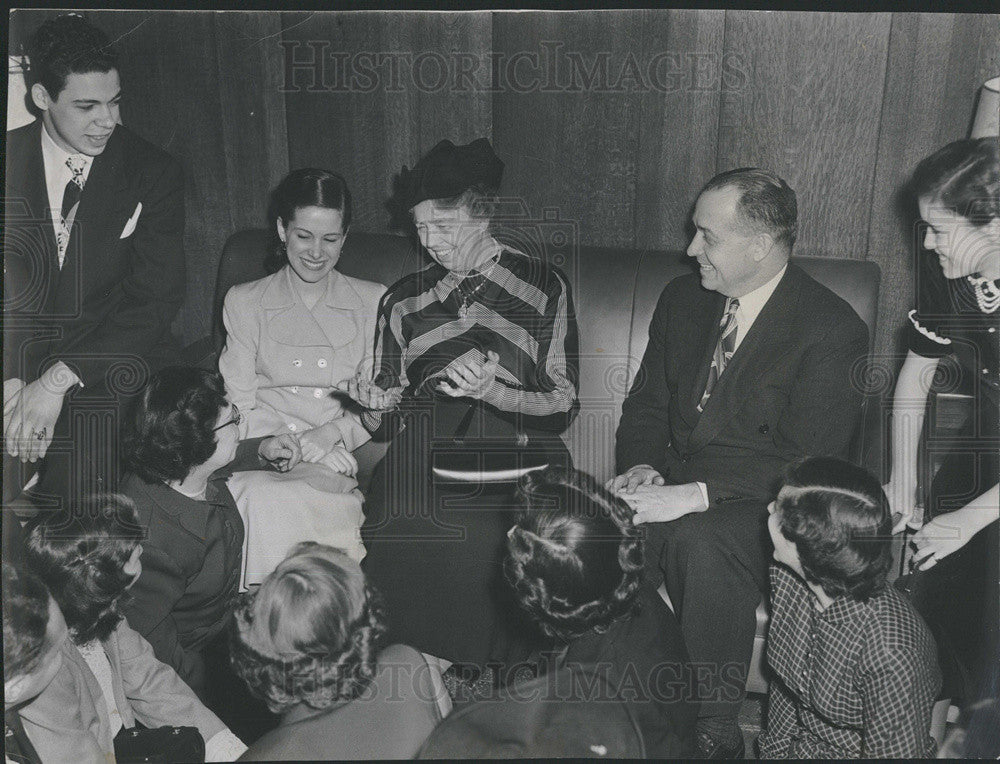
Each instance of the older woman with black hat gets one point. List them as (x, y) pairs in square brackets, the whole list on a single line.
[(476, 358)]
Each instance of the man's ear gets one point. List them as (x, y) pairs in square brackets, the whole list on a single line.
[(40, 96), (761, 246)]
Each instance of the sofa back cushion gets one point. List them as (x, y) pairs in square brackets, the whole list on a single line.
[(614, 291)]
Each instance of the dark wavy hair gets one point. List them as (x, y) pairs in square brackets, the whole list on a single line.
[(574, 558), (838, 517), (312, 632), (67, 44), (170, 427), (767, 203), (307, 187), (964, 176), (25, 621), (80, 555)]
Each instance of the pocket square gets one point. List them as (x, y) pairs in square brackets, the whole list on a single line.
[(130, 225)]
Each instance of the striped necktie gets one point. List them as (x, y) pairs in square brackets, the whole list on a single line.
[(724, 349)]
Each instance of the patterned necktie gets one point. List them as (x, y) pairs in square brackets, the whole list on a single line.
[(71, 197), (723, 350)]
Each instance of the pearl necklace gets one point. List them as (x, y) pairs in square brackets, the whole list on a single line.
[(987, 293)]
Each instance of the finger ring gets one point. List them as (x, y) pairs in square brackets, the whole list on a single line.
[(39, 434)]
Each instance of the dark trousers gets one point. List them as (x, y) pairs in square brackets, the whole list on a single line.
[(715, 568)]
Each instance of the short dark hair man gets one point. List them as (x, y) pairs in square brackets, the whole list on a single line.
[(94, 265), (747, 368)]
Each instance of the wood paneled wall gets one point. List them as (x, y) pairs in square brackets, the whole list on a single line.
[(615, 118)]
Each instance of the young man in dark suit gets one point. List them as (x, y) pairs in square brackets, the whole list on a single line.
[(747, 368), (94, 268)]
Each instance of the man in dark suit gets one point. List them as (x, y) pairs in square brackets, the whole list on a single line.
[(744, 372), (94, 268)]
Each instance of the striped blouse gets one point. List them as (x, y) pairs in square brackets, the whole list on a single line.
[(516, 306)]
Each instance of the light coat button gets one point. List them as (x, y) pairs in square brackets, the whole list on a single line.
[(292, 426), (321, 363), (317, 393), (297, 362), (992, 329)]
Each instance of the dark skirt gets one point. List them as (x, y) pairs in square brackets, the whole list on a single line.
[(436, 548), (959, 597)]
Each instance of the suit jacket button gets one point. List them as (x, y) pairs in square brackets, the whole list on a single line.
[(321, 363), (764, 429), (297, 362)]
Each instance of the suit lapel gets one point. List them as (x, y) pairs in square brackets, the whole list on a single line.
[(763, 342), (28, 205), (704, 336), (98, 204)]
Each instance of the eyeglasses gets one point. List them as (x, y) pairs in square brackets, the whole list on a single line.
[(237, 418)]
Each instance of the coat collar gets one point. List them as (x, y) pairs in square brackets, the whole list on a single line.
[(280, 292)]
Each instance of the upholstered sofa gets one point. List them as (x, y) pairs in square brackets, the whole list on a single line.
[(615, 292)]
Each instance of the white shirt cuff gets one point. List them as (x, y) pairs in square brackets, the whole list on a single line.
[(224, 746), (704, 492)]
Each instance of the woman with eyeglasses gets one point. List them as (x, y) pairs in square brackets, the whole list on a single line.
[(181, 445)]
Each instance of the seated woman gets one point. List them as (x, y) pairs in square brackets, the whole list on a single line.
[(855, 667), (480, 347), (181, 445), (309, 643), (110, 678), (291, 338), (575, 563)]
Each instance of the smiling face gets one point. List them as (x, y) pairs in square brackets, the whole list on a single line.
[(313, 239), (451, 235), (729, 256), (963, 249), (82, 117)]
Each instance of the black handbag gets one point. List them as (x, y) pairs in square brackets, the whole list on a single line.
[(505, 459), (163, 745)]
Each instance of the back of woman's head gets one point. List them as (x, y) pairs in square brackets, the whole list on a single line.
[(25, 621), (310, 187), (838, 517), (80, 555), (964, 177), (312, 631), (574, 557), (170, 428)]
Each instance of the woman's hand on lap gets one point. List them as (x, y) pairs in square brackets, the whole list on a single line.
[(341, 460), (319, 441)]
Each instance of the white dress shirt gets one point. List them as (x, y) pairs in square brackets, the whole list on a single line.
[(751, 305), (57, 175)]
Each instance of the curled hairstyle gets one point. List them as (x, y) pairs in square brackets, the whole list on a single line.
[(25, 621), (80, 555), (964, 177), (170, 428), (574, 558), (312, 632), (767, 203), (838, 517), (67, 44)]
